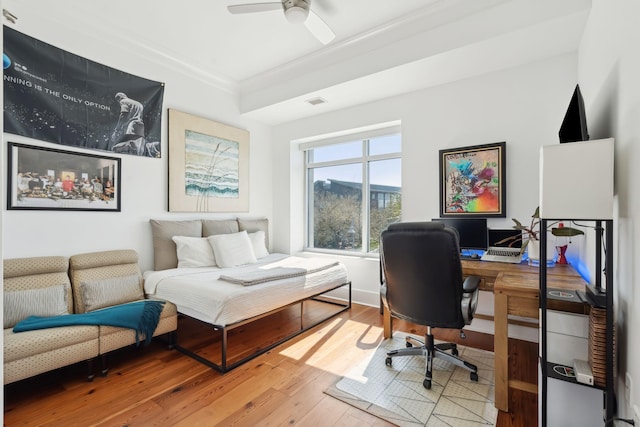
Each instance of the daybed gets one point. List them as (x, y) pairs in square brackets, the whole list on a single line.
[(221, 273), (57, 286)]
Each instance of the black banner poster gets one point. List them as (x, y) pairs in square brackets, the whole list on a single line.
[(56, 96)]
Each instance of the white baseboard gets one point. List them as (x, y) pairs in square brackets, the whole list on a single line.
[(485, 306)]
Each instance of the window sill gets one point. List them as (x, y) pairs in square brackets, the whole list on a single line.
[(346, 254)]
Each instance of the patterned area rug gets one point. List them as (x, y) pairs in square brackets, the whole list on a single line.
[(396, 394)]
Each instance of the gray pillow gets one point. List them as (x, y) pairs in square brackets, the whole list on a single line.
[(18, 305), (112, 291), (164, 249), (211, 227)]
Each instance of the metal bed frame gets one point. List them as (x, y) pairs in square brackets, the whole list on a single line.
[(224, 366)]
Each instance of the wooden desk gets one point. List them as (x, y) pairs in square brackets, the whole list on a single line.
[(516, 292)]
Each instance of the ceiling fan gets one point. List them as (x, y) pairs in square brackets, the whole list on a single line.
[(296, 12)]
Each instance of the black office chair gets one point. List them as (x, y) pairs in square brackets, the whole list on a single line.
[(422, 283)]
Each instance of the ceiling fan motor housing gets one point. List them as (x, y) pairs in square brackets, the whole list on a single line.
[(296, 11)]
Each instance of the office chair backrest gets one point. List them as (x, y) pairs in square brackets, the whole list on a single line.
[(422, 273)]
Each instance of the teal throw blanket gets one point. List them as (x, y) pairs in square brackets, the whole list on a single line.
[(141, 316)]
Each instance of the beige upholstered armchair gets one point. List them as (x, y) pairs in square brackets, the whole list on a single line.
[(103, 279), (40, 286)]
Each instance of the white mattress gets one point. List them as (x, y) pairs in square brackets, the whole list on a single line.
[(199, 292)]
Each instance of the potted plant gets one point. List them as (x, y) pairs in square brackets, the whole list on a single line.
[(531, 234)]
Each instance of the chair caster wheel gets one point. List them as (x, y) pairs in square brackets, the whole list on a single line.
[(387, 361), (454, 351), (474, 376), (408, 344), (426, 384)]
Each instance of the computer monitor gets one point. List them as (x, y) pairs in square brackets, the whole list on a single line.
[(574, 124), (472, 231)]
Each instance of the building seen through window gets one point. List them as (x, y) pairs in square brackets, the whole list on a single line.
[(353, 192)]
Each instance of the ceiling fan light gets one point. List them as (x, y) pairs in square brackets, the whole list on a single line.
[(296, 14)]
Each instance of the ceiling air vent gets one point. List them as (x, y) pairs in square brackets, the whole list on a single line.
[(316, 101)]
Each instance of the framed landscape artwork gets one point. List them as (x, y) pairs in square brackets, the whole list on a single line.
[(472, 181), (208, 165), (42, 178)]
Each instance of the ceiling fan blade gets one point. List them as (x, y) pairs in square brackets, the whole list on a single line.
[(319, 28), (254, 7)]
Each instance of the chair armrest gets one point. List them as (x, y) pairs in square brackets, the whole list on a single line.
[(469, 298), (470, 284)]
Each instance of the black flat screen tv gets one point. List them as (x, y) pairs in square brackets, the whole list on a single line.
[(472, 231), (574, 125)]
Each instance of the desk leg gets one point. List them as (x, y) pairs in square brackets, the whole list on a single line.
[(386, 323), (501, 350)]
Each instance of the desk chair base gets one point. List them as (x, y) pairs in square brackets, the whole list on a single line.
[(431, 351)]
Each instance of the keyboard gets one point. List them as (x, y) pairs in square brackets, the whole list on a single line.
[(512, 256)]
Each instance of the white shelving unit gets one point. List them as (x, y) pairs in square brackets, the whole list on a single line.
[(576, 184)]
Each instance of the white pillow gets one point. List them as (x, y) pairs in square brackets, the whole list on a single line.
[(233, 249), (258, 242), (49, 301), (194, 252)]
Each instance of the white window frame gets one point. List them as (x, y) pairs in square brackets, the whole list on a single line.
[(364, 159)]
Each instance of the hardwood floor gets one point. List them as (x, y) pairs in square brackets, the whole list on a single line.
[(154, 386)]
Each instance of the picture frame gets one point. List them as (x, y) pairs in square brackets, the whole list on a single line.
[(41, 178), (473, 181), (208, 165)]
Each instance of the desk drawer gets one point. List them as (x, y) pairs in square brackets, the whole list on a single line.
[(522, 306)]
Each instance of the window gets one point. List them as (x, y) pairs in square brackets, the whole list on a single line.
[(353, 190)]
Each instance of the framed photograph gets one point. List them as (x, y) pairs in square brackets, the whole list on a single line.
[(208, 165), (472, 181), (47, 179)]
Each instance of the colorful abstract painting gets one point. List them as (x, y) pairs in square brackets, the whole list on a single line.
[(472, 181)]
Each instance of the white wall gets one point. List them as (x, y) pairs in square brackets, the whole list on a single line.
[(523, 106), (144, 180), (608, 71)]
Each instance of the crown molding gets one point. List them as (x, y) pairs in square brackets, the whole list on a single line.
[(421, 21), (82, 36)]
